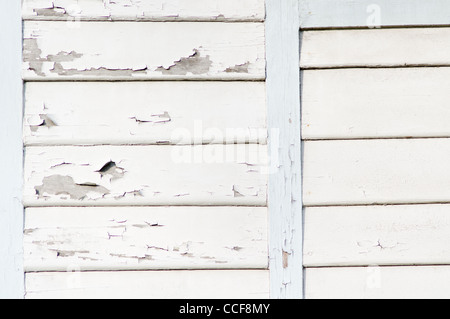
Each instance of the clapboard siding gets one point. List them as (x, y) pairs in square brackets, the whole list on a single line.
[(223, 284), (375, 103), (146, 175), (375, 48), (377, 235), (378, 283), (69, 113), (143, 51), (147, 10), (368, 13), (398, 171), (141, 238)]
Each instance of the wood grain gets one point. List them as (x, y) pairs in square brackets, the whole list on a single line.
[(143, 51), (365, 172), (375, 48), (147, 10), (142, 238), (146, 175), (217, 284), (377, 235), (375, 103), (74, 113), (430, 282)]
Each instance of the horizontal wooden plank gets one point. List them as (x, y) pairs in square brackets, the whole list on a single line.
[(71, 113), (375, 103), (204, 284), (378, 283), (375, 48), (377, 235), (367, 13), (142, 238), (147, 10), (143, 51), (391, 171), (146, 175)]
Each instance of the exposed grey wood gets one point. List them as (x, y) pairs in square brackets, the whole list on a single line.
[(369, 13), (11, 210), (146, 175), (283, 91), (143, 238), (117, 51)]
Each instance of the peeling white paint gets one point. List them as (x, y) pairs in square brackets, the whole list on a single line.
[(145, 175), (145, 113), (54, 51), (143, 238), (145, 10)]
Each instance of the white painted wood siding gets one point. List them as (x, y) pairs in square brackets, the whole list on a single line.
[(143, 238), (146, 10), (375, 103), (143, 50), (375, 48), (66, 113), (365, 172), (375, 148), (145, 149), (146, 175), (209, 284), (377, 235), (410, 282)]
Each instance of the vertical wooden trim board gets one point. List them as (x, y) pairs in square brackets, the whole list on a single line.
[(11, 210), (283, 100)]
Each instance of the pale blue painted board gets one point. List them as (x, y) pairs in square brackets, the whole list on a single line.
[(373, 13), (283, 103), (11, 163)]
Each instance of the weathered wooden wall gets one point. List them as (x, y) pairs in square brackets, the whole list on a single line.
[(376, 148), (145, 149)]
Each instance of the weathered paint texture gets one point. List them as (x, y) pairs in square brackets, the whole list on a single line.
[(144, 10), (143, 238), (146, 157), (210, 51), (283, 103), (153, 175), (376, 148), (61, 113), (377, 235)]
